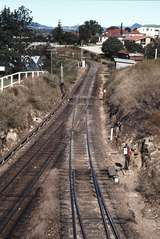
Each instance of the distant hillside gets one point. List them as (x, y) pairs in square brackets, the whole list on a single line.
[(135, 25), (38, 26), (71, 28), (151, 25)]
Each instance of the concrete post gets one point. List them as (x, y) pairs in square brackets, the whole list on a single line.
[(62, 75), (11, 80), (32, 74), (83, 64), (111, 136), (1, 84), (19, 78), (26, 75), (156, 53)]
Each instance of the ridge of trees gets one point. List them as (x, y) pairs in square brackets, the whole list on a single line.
[(87, 33)]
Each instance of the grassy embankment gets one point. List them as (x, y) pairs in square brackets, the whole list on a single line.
[(23, 106), (134, 99)]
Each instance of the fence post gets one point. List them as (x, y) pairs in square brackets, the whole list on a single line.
[(1, 84), (32, 74), (26, 75), (19, 77), (11, 80), (37, 73)]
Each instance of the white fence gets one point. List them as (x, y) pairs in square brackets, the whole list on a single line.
[(10, 80)]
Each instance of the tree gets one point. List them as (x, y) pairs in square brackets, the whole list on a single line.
[(128, 29), (22, 20), (15, 35), (90, 31), (131, 46), (70, 38), (111, 46), (58, 34)]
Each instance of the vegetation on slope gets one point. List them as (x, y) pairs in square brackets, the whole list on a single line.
[(23, 106), (134, 96)]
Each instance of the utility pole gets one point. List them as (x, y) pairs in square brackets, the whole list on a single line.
[(51, 62), (121, 29), (81, 52), (82, 58), (62, 75), (62, 88)]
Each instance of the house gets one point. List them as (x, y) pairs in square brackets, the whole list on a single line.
[(150, 30), (115, 32), (133, 33), (143, 40)]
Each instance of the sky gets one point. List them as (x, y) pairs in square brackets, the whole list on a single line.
[(74, 12)]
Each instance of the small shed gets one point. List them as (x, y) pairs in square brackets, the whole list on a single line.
[(122, 63)]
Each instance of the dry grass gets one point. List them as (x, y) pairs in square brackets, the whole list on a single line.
[(134, 97), (16, 103), (134, 93)]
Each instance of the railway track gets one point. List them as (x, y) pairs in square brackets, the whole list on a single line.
[(83, 203), (84, 210)]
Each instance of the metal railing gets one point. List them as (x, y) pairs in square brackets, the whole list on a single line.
[(10, 80)]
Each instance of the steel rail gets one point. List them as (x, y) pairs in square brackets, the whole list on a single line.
[(74, 204), (29, 161), (95, 183), (26, 195), (74, 228), (104, 212), (77, 208)]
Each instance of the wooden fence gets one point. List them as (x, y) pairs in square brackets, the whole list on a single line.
[(16, 78)]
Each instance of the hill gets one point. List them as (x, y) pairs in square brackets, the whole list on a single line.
[(37, 26)]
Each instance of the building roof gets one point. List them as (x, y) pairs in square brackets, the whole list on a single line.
[(136, 38), (96, 49), (115, 32), (135, 32), (136, 54), (121, 60)]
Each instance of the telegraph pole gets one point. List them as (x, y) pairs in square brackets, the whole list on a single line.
[(62, 75), (82, 58), (51, 62)]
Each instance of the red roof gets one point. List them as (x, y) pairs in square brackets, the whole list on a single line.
[(135, 32), (115, 32), (135, 38)]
